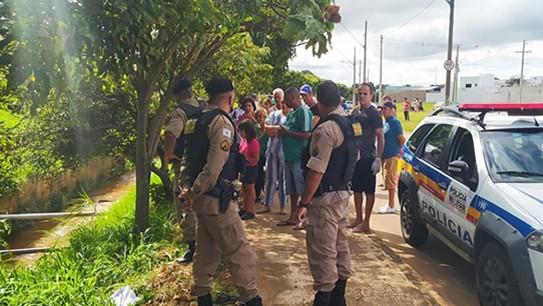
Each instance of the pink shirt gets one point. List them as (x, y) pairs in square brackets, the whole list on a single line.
[(250, 150)]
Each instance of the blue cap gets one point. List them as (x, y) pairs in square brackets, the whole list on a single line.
[(306, 89)]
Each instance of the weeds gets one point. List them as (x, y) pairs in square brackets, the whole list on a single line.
[(103, 255)]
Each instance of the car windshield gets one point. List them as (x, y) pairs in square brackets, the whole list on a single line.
[(514, 155)]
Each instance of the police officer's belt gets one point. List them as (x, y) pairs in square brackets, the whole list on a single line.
[(329, 188)]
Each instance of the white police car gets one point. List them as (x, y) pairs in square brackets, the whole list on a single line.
[(474, 179)]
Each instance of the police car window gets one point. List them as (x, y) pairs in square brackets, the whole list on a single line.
[(435, 143), (464, 150), (417, 137), (514, 155)]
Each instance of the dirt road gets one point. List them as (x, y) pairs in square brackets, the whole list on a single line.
[(379, 276), (450, 276)]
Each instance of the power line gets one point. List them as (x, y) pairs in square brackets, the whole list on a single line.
[(354, 37), (411, 19), (344, 56)]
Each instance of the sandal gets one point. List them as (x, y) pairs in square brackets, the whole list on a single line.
[(286, 223)]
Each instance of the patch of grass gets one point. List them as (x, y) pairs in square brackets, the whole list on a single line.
[(415, 117), (102, 256)]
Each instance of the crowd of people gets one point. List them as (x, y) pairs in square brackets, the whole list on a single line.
[(291, 147)]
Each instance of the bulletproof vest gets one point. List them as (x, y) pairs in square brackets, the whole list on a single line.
[(340, 168), (198, 147), (192, 112)]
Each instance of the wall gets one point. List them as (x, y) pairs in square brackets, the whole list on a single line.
[(36, 195), (410, 94)]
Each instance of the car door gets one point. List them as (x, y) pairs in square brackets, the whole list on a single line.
[(432, 181), (462, 189)]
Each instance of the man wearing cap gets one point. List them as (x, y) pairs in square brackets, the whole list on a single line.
[(329, 162), (307, 95), (174, 146), (394, 140), (211, 168)]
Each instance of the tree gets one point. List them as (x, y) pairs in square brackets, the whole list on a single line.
[(142, 48), (152, 44)]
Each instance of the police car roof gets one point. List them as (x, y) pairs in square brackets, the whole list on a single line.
[(493, 117)]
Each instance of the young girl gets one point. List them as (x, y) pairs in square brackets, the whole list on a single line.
[(250, 148)]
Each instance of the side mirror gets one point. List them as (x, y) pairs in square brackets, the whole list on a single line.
[(458, 168)]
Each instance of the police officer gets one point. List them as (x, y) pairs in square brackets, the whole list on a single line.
[(331, 157), (210, 170), (174, 144)]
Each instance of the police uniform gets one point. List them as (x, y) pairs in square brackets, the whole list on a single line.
[(210, 159), (176, 125), (333, 154)]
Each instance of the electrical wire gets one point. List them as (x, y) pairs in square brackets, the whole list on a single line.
[(411, 19)]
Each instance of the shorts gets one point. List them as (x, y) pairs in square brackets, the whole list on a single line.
[(363, 179), (390, 169), (294, 178), (249, 175)]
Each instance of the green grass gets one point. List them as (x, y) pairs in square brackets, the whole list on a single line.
[(8, 119), (103, 255), (415, 117)]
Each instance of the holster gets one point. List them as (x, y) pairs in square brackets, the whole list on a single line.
[(225, 191)]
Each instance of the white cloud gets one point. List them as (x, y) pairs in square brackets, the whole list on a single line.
[(490, 31)]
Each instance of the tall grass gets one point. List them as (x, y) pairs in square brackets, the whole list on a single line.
[(102, 255)]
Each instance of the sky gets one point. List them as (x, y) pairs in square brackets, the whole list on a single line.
[(415, 40)]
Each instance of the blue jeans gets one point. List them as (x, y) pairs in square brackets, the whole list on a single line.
[(294, 178), (275, 176)]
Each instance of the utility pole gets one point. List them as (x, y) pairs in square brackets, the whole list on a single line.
[(448, 65), (381, 72), (359, 72), (365, 48), (354, 77), (456, 71), (521, 81)]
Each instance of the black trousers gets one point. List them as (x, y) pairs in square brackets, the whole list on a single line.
[(260, 178)]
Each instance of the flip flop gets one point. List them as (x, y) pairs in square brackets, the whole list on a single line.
[(286, 223)]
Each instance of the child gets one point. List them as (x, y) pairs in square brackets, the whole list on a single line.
[(250, 148)]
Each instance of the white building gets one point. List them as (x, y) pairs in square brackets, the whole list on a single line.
[(486, 88)]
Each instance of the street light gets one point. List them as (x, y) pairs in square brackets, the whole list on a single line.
[(447, 65)]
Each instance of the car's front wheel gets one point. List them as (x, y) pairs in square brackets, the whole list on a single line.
[(496, 281), (414, 232)]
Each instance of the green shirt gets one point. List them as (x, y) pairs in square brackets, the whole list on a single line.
[(298, 120)]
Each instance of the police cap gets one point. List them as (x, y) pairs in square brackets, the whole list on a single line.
[(219, 86), (328, 93)]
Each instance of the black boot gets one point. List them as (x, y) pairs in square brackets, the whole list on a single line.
[(187, 258), (257, 301), (338, 294), (322, 298), (205, 300)]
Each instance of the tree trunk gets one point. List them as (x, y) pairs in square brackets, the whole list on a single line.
[(143, 166)]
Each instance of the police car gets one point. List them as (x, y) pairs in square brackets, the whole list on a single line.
[(472, 175)]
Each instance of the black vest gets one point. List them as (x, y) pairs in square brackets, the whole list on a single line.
[(340, 167), (192, 112), (198, 147)]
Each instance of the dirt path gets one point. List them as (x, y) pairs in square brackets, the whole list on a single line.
[(379, 276), (49, 233)]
